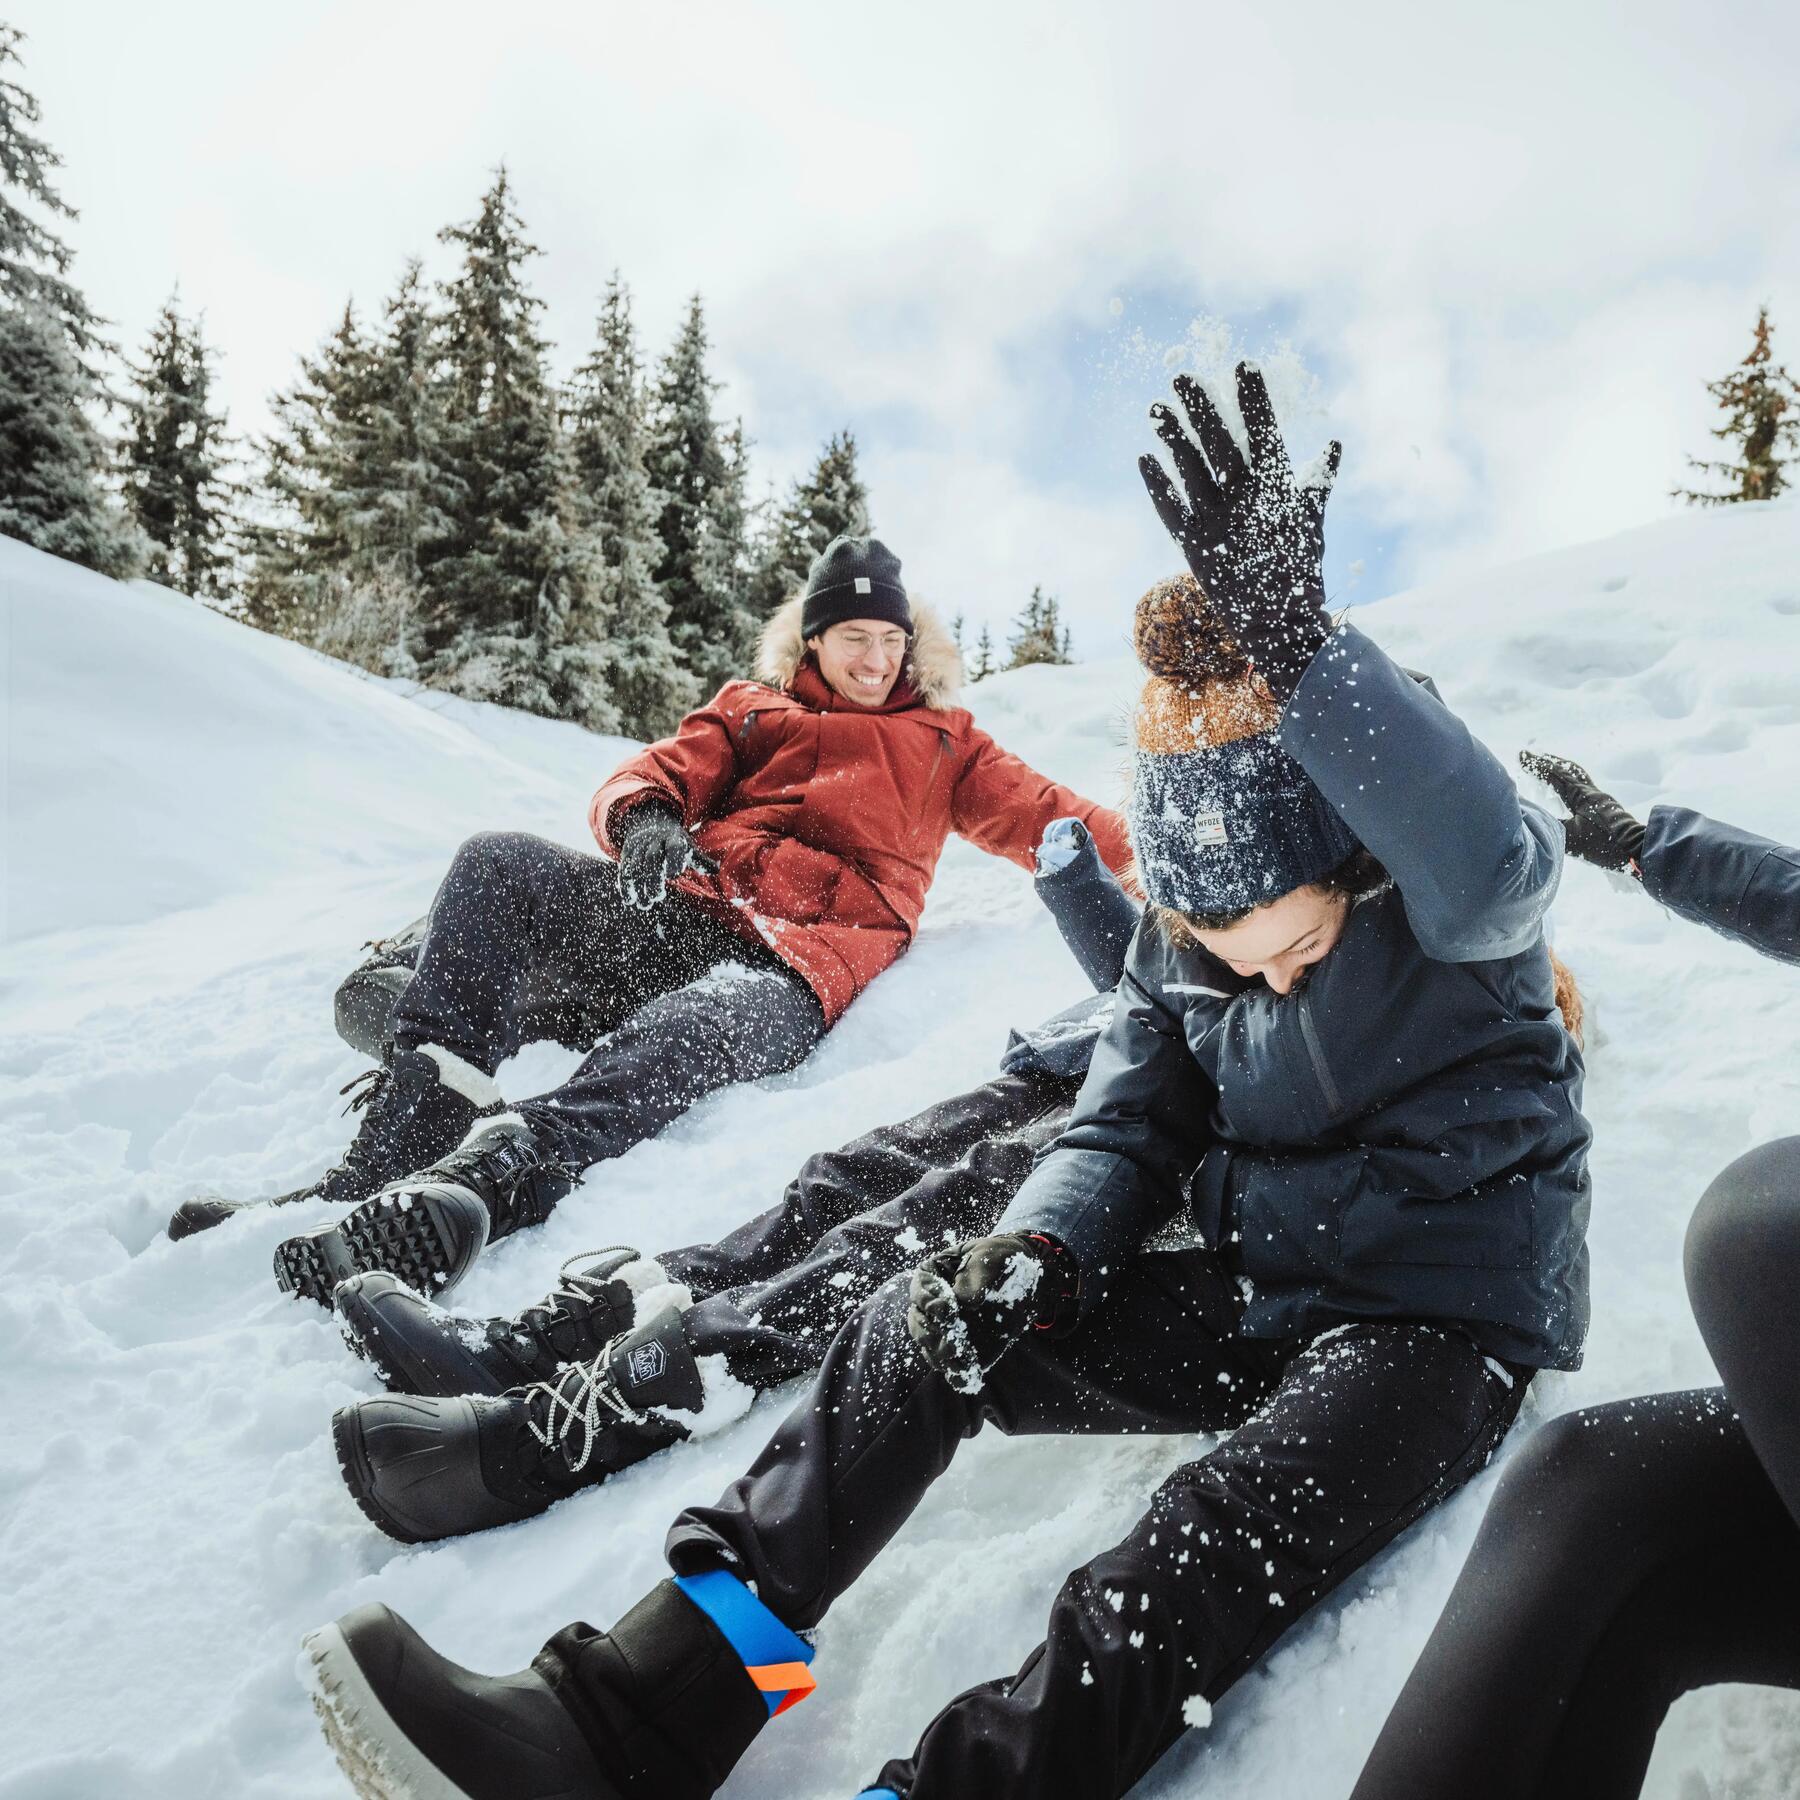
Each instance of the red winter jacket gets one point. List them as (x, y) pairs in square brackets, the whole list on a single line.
[(828, 818)]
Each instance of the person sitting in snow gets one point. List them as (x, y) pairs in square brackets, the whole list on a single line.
[(1639, 1550), (760, 869), (1336, 1062), (629, 1355)]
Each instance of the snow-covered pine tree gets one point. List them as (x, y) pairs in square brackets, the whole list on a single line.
[(305, 552), (507, 615), (34, 261), (604, 418), (53, 462), (1038, 636), (724, 563), (829, 502), (692, 477), (1761, 403), (984, 657), (51, 456), (392, 485), (175, 458)]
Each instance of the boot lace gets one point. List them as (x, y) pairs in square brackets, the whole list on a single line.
[(571, 1290), (514, 1184), (370, 1085), (367, 1092), (580, 1404)]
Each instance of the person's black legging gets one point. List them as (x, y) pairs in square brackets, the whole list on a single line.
[(1633, 1552)]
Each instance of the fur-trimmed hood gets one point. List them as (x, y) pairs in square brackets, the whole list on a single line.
[(935, 663)]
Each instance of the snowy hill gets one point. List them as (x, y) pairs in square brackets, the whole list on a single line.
[(201, 825)]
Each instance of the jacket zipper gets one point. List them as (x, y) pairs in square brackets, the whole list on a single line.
[(1333, 1100)]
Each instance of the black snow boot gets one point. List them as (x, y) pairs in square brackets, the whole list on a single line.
[(418, 1348), (423, 1468), (410, 1116), (659, 1708), (428, 1228), (363, 1006)]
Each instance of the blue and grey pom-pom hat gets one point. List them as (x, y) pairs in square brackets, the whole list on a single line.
[(1222, 818)]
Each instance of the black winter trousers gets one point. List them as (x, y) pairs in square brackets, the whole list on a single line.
[(771, 1296), (527, 939), (1337, 1446), (1633, 1552)]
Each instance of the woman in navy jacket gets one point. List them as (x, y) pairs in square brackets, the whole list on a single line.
[(1637, 1551), (1335, 1081)]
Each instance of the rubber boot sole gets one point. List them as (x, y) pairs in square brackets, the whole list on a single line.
[(379, 1759), (507, 1736), (419, 1235)]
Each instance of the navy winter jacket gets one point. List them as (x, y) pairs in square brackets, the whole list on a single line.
[(1743, 886), (1399, 1138)]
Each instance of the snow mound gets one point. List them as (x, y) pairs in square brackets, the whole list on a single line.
[(201, 825)]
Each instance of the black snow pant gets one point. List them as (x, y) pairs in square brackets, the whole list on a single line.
[(524, 931), (1337, 1446), (1633, 1552), (771, 1296)]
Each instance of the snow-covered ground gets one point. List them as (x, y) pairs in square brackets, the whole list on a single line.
[(200, 827)]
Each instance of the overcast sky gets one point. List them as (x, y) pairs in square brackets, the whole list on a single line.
[(1498, 251)]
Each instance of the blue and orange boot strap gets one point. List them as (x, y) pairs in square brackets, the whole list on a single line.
[(774, 1657)]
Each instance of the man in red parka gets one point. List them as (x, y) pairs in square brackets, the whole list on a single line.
[(767, 863)]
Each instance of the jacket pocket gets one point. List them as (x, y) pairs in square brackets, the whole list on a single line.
[(1283, 1214), (1387, 1219)]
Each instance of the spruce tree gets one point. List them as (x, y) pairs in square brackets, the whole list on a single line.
[(724, 564), (1761, 403), (305, 551), (984, 657), (391, 482), (700, 523), (174, 461), (51, 456), (829, 502), (644, 677), (53, 462), (507, 614), (34, 261), (1038, 636)]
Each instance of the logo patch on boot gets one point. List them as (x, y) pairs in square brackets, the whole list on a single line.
[(647, 1362)]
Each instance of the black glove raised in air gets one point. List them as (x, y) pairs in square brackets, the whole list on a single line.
[(970, 1305), (654, 848), (1254, 538), (1598, 829)]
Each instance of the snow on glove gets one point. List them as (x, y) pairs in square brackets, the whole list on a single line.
[(1253, 536), (1598, 829), (654, 848), (969, 1306)]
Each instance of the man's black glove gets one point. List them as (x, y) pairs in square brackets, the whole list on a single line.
[(654, 848), (970, 1305), (1253, 537), (1598, 829)]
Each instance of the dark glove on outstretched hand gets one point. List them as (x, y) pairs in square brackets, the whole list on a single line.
[(1254, 538), (970, 1305), (1598, 829), (654, 848)]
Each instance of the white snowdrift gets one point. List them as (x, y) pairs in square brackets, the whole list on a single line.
[(200, 826)]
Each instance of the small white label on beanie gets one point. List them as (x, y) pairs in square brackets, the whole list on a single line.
[(1209, 828), (864, 585)]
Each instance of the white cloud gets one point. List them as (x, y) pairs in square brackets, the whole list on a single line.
[(1517, 239)]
